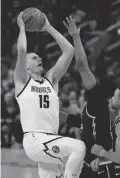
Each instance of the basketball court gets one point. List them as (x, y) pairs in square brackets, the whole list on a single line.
[(15, 164)]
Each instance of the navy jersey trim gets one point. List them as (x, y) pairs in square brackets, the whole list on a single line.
[(46, 148), (59, 176), (49, 82), (40, 82), (117, 121), (24, 87), (89, 115)]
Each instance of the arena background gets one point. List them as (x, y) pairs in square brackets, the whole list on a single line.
[(100, 32)]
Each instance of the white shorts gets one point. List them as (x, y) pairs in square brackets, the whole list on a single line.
[(48, 150), (41, 147)]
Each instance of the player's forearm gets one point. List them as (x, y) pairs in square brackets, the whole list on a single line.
[(61, 40), (22, 41), (112, 156), (80, 56), (82, 64)]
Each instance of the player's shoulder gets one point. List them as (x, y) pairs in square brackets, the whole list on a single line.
[(107, 85), (20, 86)]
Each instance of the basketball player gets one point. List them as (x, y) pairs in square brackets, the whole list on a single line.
[(114, 154), (39, 108), (95, 119)]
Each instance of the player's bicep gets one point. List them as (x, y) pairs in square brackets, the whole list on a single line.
[(20, 73), (88, 78)]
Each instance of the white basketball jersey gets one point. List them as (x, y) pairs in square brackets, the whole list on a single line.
[(39, 107)]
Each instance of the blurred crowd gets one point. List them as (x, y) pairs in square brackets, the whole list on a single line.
[(100, 33)]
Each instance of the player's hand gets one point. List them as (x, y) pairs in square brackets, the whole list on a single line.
[(71, 26), (95, 164), (97, 150), (20, 20), (46, 25)]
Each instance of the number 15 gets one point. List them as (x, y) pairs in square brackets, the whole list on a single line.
[(44, 101)]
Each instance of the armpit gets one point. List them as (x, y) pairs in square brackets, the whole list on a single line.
[(118, 130)]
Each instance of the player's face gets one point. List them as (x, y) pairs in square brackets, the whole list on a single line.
[(34, 63), (115, 100)]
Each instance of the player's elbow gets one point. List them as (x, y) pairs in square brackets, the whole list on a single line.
[(71, 50), (21, 45), (89, 85), (21, 48), (81, 61)]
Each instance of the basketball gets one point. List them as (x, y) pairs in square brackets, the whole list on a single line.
[(34, 19)]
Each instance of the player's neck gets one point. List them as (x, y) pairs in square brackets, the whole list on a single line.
[(36, 76), (114, 114)]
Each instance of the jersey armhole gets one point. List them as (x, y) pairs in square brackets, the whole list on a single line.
[(117, 120), (93, 117), (50, 83), (24, 87)]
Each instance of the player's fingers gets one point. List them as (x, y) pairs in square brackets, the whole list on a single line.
[(94, 147), (79, 30), (65, 24), (92, 151), (68, 20), (71, 19), (44, 15), (20, 15)]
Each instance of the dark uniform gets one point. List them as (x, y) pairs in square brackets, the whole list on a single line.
[(111, 170), (96, 124), (116, 166)]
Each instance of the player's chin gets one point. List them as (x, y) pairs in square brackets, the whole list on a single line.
[(40, 70)]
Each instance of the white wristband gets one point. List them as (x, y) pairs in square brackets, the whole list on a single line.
[(102, 153)]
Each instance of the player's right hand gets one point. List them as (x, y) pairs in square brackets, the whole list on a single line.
[(71, 26), (95, 164), (46, 25), (20, 20)]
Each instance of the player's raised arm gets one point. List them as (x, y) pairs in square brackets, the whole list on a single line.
[(63, 62), (80, 56), (20, 73)]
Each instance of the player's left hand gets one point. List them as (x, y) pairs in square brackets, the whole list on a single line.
[(95, 164), (71, 26), (96, 150)]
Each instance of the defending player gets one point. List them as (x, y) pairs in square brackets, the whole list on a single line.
[(114, 153), (39, 108), (96, 120)]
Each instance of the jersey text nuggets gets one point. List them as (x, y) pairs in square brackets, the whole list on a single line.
[(40, 89)]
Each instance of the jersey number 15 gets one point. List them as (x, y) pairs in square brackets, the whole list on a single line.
[(44, 101)]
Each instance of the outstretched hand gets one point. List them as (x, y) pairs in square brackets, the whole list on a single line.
[(20, 20), (71, 26)]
